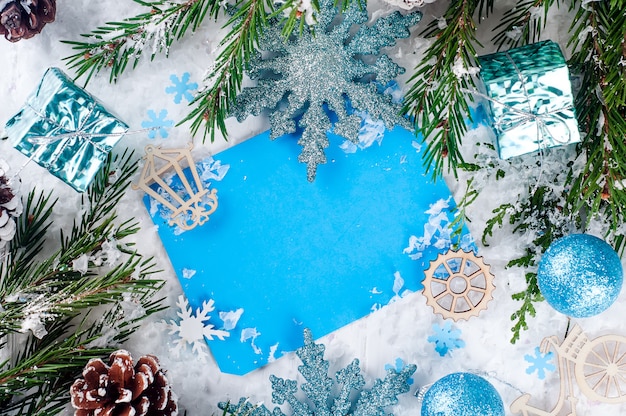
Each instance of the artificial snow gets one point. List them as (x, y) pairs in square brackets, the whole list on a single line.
[(399, 330)]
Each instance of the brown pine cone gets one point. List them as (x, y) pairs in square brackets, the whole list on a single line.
[(119, 389), (23, 19)]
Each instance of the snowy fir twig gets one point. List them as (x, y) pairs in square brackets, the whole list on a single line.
[(436, 99), (598, 38), (213, 104), (523, 24), (60, 310), (112, 46)]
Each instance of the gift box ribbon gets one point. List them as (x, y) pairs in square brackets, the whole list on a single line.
[(79, 133), (515, 117)]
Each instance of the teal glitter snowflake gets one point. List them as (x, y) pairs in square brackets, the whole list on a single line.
[(327, 68), (319, 389)]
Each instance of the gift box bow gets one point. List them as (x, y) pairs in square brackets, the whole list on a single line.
[(66, 130)]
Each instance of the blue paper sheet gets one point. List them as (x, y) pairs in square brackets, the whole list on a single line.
[(319, 255)]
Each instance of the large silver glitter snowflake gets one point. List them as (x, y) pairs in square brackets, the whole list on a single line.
[(329, 68)]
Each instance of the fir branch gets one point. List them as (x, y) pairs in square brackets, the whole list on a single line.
[(598, 36), (295, 15), (75, 314), (212, 104), (437, 100), (112, 46), (28, 241), (523, 23)]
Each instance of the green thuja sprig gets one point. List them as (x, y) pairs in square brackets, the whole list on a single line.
[(540, 213)]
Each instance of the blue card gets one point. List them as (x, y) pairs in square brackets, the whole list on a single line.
[(295, 255)]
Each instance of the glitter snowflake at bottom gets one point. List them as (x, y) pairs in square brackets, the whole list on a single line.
[(312, 72), (319, 388)]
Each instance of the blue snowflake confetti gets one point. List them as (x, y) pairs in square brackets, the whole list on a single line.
[(304, 77), (159, 124), (446, 338), (540, 363), (320, 389), (398, 366), (181, 88)]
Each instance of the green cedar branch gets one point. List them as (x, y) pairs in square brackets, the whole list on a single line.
[(437, 98), (594, 184), (541, 213), (529, 298), (112, 46)]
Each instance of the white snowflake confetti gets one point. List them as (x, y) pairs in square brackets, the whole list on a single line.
[(188, 273), (192, 328), (251, 334), (231, 318)]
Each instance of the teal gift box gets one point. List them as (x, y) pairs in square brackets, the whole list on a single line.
[(65, 129), (530, 98)]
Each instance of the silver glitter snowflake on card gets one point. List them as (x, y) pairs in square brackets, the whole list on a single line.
[(325, 396), (329, 67)]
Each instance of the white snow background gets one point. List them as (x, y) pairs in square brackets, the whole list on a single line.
[(399, 330)]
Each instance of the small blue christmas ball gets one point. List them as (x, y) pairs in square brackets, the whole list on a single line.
[(580, 275), (463, 394)]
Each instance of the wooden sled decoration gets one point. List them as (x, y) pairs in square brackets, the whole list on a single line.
[(187, 199), (599, 367), (458, 285)]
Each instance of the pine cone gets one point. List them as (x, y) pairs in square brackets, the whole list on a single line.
[(23, 19), (119, 389), (10, 207)]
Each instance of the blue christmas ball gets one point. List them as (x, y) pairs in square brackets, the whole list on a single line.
[(462, 394), (580, 275)]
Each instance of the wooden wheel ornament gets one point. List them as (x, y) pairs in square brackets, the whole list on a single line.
[(458, 285), (601, 369)]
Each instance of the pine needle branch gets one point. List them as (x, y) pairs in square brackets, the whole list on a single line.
[(60, 311), (437, 99), (294, 15), (113, 46), (523, 23), (212, 104), (598, 36)]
